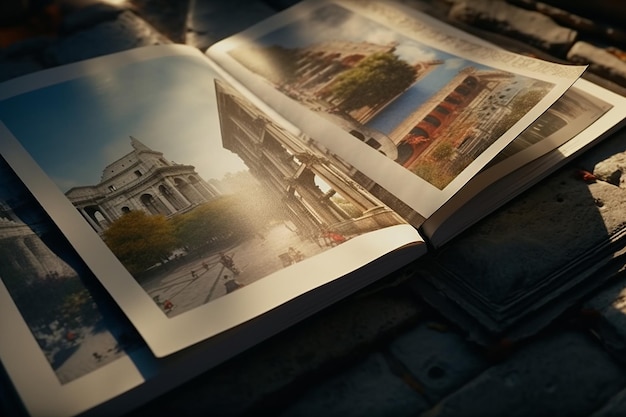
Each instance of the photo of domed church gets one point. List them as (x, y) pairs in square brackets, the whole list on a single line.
[(142, 180), (211, 196)]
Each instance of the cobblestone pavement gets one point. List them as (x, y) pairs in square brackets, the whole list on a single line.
[(384, 350)]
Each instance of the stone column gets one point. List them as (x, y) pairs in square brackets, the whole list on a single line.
[(94, 224), (346, 187), (184, 201)]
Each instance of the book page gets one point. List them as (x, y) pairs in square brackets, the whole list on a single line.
[(574, 112), (407, 100), (584, 115), (195, 210)]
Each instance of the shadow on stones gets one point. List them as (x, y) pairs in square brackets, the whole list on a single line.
[(536, 256)]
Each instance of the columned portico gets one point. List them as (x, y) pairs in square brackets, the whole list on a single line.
[(141, 180)]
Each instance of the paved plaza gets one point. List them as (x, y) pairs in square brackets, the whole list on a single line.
[(200, 281)]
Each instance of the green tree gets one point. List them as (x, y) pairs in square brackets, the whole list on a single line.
[(213, 223), (443, 151), (374, 80), (140, 241)]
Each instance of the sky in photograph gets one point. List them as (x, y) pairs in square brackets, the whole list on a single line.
[(75, 129), (332, 22)]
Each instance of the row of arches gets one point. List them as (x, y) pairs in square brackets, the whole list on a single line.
[(167, 198), (422, 134)]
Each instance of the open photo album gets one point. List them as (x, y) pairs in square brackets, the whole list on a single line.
[(162, 209)]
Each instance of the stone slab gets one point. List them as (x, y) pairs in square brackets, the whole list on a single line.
[(167, 17), (263, 377), (564, 374), (507, 267), (210, 21), (438, 358), (90, 16), (368, 389), (126, 31), (532, 27), (608, 310), (616, 407)]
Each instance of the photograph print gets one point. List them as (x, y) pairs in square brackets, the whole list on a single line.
[(430, 111), (73, 320), (191, 187)]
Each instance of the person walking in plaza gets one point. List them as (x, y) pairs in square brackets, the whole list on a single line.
[(231, 284), (228, 263)]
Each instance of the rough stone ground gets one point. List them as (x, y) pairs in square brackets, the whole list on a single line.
[(383, 351)]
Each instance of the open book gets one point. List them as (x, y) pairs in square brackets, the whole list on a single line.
[(162, 209)]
